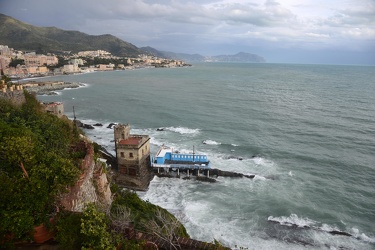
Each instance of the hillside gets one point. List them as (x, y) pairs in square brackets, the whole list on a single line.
[(23, 36)]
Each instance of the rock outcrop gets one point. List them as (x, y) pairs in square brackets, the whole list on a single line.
[(92, 186)]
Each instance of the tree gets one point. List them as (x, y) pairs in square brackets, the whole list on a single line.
[(18, 150), (14, 62), (35, 166)]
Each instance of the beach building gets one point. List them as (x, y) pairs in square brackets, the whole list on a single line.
[(165, 157), (133, 158), (166, 160)]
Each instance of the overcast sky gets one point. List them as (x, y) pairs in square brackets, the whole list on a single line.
[(293, 31)]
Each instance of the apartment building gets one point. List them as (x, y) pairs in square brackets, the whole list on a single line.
[(33, 60)]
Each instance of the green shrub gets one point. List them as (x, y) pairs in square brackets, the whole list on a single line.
[(69, 230), (94, 229), (35, 165), (143, 212)]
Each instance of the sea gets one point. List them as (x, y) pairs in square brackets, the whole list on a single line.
[(307, 133)]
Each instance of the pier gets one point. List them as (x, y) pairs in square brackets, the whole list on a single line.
[(206, 175)]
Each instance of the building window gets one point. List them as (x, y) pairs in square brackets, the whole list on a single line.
[(122, 136), (122, 154), (131, 155)]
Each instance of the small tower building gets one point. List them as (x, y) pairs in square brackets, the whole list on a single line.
[(133, 158)]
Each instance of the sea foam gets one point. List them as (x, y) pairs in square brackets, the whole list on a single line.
[(183, 130)]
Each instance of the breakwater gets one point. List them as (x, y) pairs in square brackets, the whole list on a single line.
[(206, 175), (48, 88)]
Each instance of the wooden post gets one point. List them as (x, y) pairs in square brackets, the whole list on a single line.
[(208, 173), (188, 172)]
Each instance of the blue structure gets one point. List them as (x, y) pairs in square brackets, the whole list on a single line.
[(165, 158)]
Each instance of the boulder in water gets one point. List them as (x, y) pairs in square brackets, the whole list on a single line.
[(111, 125)]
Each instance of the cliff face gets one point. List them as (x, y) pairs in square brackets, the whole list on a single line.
[(92, 187)]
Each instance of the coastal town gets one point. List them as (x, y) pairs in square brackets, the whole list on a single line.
[(18, 64)]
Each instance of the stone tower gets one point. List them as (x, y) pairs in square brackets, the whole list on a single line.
[(133, 158), (122, 132)]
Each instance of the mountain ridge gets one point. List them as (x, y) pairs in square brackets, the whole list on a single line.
[(239, 57), (23, 36)]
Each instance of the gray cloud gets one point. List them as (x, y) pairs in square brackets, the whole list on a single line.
[(213, 26)]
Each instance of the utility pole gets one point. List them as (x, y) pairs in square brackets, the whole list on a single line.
[(74, 116)]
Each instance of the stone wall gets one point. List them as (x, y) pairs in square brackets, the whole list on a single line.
[(140, 181)]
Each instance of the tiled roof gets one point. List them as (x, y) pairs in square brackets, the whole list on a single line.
[(131, 141)]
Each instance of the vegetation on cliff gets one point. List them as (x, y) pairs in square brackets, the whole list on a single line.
[(101, 228), (37, 162), (40, 157)]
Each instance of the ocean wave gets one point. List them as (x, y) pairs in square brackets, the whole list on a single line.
[(361, 236), (182, 130), (299, 222), (260, 178), (259, 160), (211, 142), (293, 220)]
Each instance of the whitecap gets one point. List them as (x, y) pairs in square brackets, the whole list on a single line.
[(261, 178), (258, 160), (328, 228), (357, 234), (293, 219), (183, 130), (211, 142)]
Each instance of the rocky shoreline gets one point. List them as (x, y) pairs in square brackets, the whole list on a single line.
[(49, 88)]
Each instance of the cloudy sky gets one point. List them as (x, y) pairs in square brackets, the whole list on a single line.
[(292, 31)]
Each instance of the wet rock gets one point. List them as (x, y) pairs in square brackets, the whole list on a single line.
[(98, 124), (87, 126), (205, 179), (160, 129), (78, 123), (111, 125), (335, 232)]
